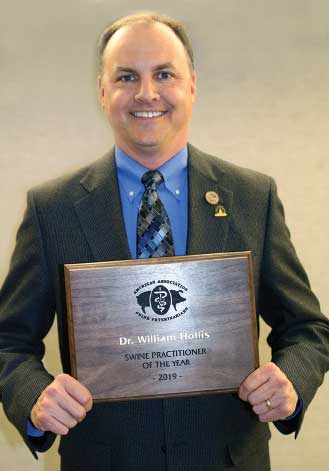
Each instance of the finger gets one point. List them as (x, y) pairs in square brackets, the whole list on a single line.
[(281, 408), (47, 409), (72, 407), (272, 416), (282, 397), (66, 419), (263, 408), (55, 397), (76, 390), (261, 394), (50, 424), (255, 380), (89, 404), (269, 416), (56, 403), (43, 420)]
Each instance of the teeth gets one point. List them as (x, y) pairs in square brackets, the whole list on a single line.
[(148, 114)]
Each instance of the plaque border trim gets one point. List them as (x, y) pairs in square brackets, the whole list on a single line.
[(71, 267)]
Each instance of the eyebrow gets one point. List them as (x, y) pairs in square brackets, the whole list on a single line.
[(166, 65)]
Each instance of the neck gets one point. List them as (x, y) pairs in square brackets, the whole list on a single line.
[(150, 157)]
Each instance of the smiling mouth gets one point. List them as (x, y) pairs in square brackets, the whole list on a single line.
[(148, 114)]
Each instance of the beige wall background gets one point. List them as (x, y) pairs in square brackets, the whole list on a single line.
[(263, 73)]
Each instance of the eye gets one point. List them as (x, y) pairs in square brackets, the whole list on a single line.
[(164, 75), (126, 78)]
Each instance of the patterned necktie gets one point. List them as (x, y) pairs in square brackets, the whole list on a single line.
[(154, 236)]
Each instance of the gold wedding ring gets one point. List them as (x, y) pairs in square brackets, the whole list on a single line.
[(268, 404)]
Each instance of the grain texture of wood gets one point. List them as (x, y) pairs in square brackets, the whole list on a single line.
[(162, 327)]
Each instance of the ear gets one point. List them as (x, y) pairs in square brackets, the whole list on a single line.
[(193, 86), (100, 89)]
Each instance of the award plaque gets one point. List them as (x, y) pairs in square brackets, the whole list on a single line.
[(162, 327)]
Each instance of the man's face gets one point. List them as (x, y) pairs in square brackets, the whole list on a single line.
[(147, 90)]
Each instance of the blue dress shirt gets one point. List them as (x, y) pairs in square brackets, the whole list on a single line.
[(173, 193), (32, 431)]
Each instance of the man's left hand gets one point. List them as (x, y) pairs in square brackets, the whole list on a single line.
[(270, 393)]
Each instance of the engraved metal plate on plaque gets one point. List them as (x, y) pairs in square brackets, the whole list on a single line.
[(163, 327)]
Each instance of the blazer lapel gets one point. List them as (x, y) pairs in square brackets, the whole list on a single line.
[(100, 212), (102, 220), (207, 233)]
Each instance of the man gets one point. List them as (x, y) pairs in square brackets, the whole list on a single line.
[(147, 87)]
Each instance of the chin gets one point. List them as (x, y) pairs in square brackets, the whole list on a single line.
[(147, 142)]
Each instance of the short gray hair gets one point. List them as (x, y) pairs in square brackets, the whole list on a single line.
[(148, 18)]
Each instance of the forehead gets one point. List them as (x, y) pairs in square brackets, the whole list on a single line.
[(144, 43)]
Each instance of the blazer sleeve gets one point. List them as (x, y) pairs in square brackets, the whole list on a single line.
[(27, 309), (299, 338)]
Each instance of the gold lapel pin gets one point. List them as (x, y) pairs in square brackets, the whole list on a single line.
[(212, 197), (220, 211)]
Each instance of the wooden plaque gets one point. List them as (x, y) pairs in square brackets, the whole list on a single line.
[(171, 326)]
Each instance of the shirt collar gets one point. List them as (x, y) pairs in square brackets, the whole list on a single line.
[(130, 172)]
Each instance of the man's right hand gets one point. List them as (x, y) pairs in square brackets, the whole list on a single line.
[(61, 406)]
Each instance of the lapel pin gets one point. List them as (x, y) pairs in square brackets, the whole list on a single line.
[(212, 197), (220, 211)]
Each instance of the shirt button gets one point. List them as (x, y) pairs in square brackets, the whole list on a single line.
[(177, 192), (131, 193)]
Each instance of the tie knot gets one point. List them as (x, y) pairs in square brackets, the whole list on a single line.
[(152, 179)]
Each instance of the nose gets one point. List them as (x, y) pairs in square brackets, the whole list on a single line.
[(147, 91)]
